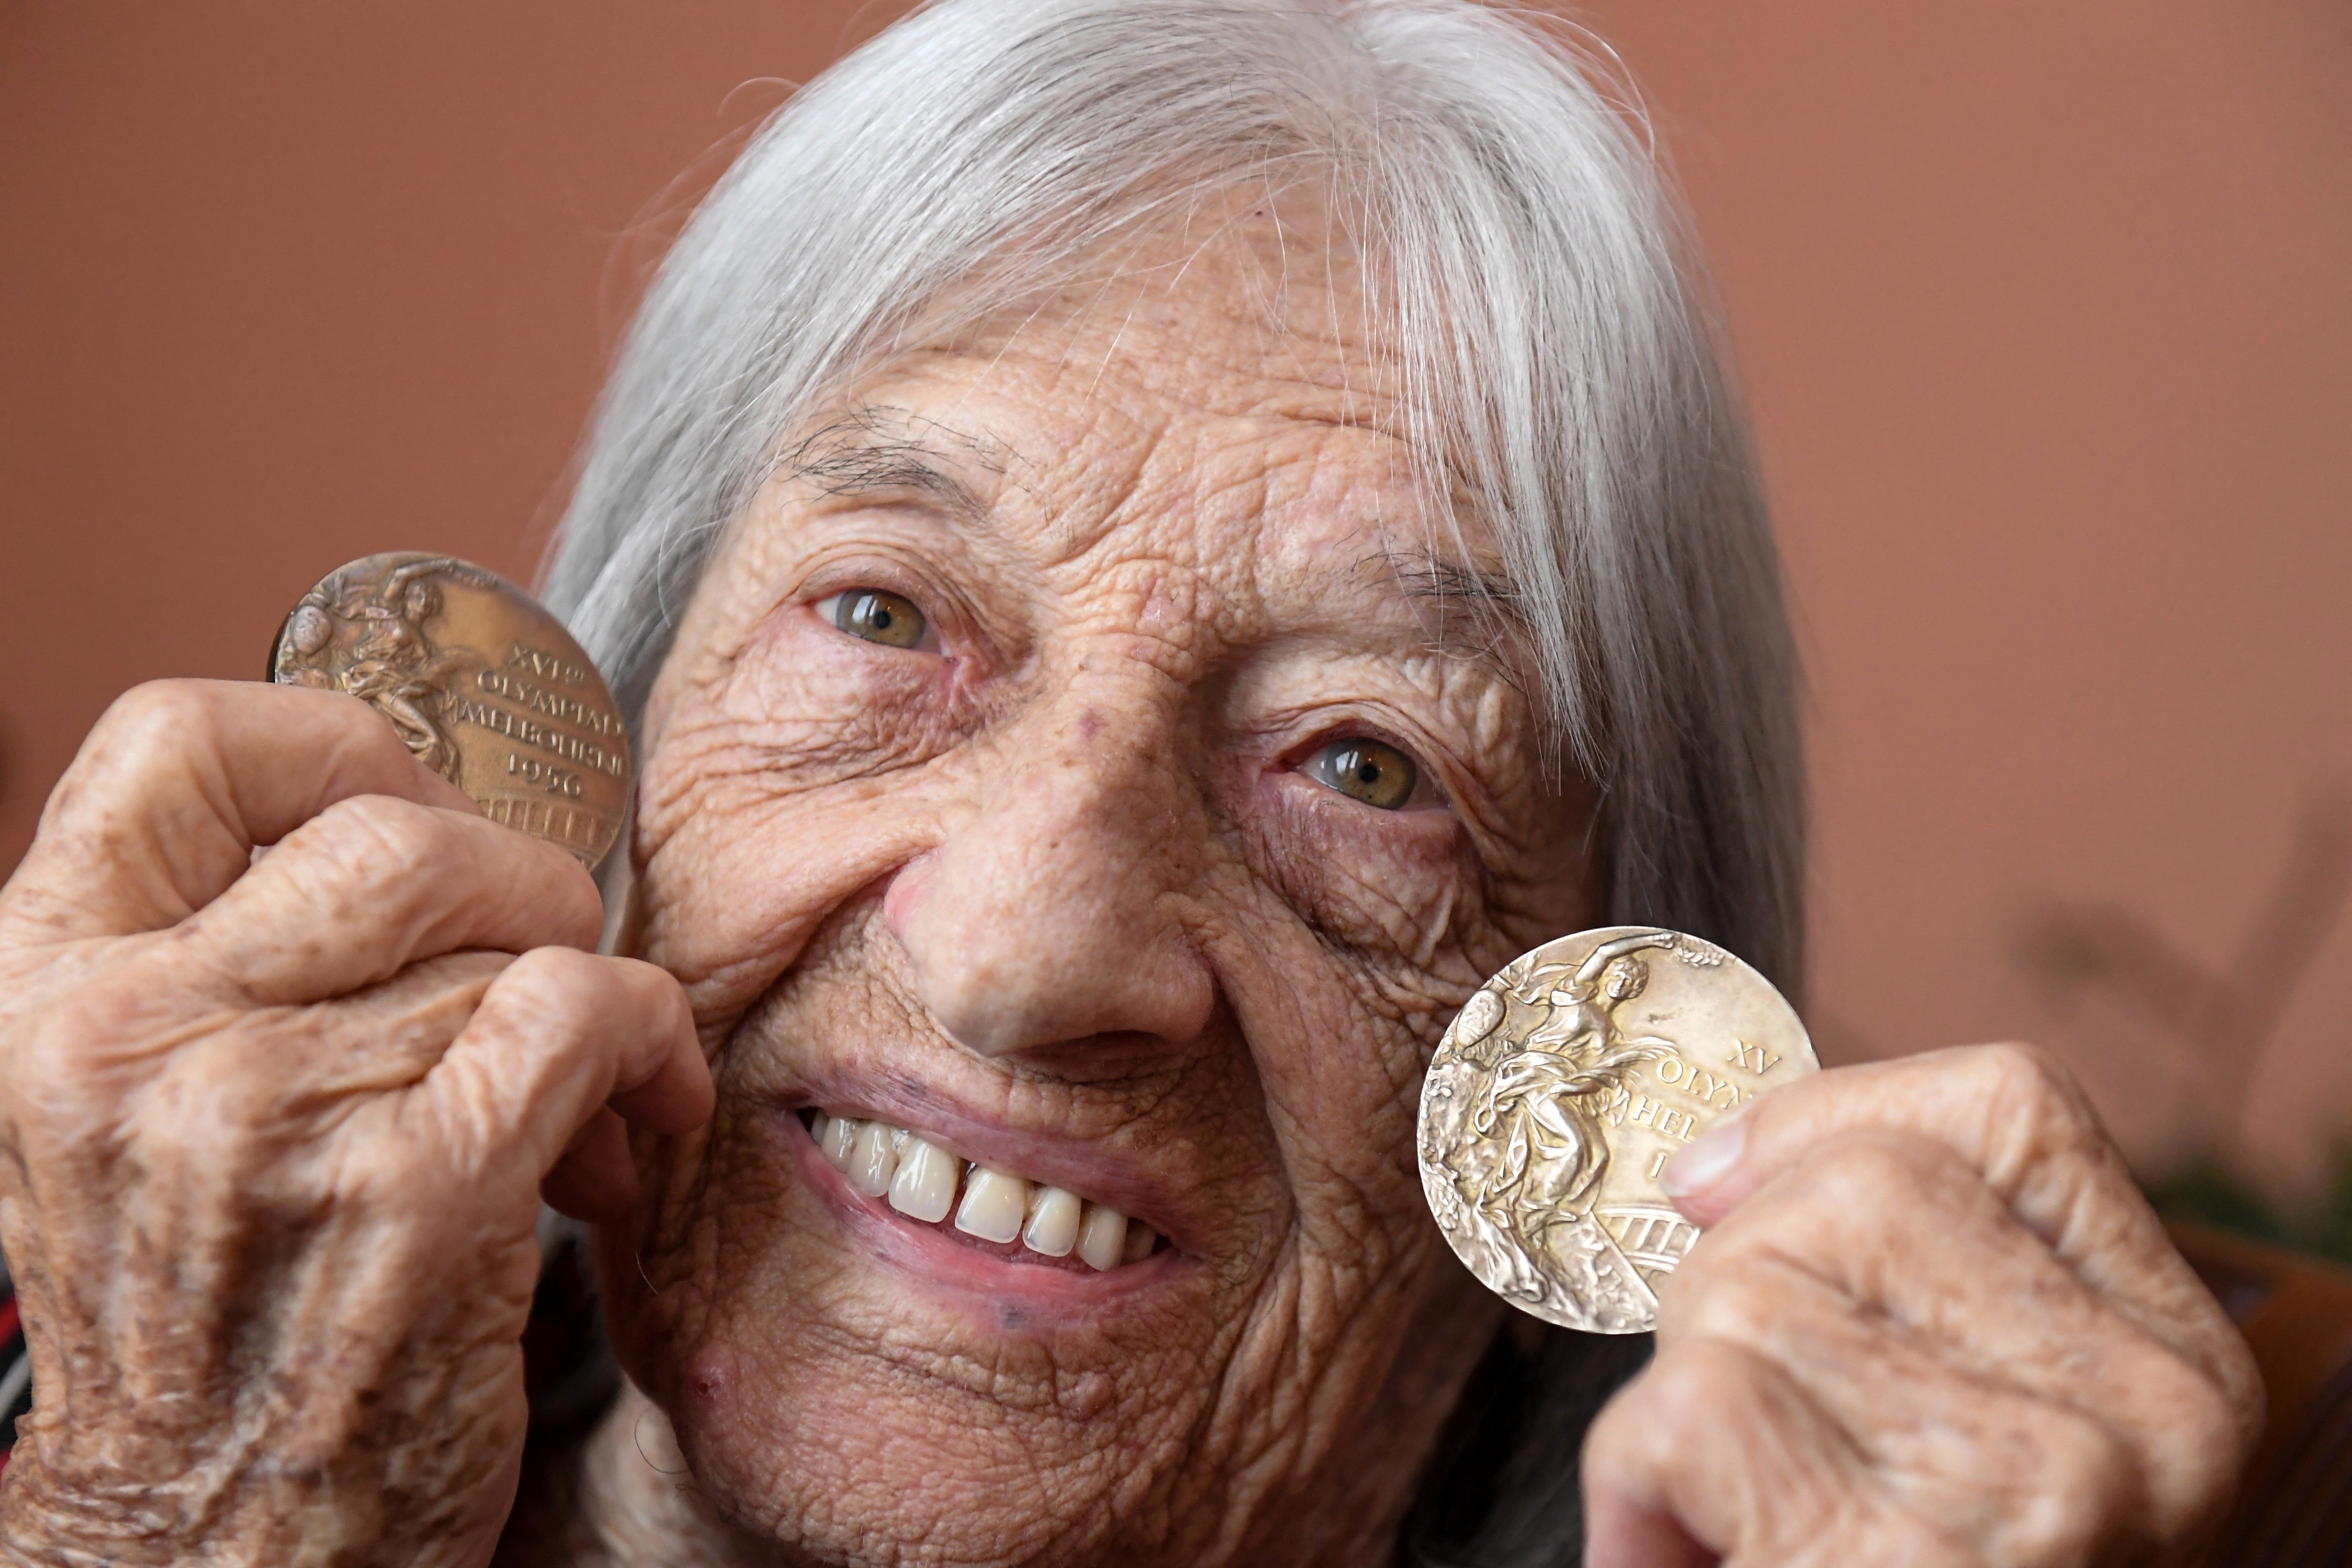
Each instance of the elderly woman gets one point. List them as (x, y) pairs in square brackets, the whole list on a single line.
[(1149, 547)]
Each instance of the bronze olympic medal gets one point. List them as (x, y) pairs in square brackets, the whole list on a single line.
[(1557, 1096), (486, 688)]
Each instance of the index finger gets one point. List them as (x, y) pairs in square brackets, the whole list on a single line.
[(180, 782), (370, 885)]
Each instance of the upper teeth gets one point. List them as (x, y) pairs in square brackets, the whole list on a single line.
[(919, 1178)]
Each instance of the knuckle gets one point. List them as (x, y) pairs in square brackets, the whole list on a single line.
[(1615, 1438), (1719, 1263), (1869, 1174), (2236, 1380), (145, 725), (217, 1119), (657, 985), (156, 711), (2031, 1110), (2212, 1425), (390, 839), (2015, 1072), (1692, 1387), (87, 1088), (555, 984), (79, 1052), (575, 907), (52, 1083), (550, 998), (2072, 1483), (1629, 1435), (66, 1043), (2198, 1438), (1724, 1294)]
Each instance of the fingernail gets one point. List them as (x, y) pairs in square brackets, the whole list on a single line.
[(1704, 1163)]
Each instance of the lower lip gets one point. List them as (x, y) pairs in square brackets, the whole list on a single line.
[(943, 1257)]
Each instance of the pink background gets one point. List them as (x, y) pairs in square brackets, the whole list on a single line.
[(2044, 312)]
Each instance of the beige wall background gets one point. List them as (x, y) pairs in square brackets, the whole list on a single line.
[(2045, 310)]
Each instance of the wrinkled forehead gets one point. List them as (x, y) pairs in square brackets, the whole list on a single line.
[(1217, 393), (1256, 284)]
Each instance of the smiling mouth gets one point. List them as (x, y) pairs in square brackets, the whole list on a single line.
[(1035, 1222)]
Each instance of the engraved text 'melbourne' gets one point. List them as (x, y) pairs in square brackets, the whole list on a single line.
[(531, 732)]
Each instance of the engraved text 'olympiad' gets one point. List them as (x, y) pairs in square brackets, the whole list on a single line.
[(1696, 1082), (555, 704)]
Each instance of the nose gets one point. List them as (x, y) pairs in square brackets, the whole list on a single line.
[(1051, 911)]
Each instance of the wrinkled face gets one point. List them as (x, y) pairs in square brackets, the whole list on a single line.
[(1065, 766)]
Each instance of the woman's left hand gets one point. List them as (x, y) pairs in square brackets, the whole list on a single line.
[(1932, 1322)]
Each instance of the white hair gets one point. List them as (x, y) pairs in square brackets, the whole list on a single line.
[(1557, 370)]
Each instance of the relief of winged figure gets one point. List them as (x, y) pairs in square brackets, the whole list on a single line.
[(1545, 1101), (391, 663)]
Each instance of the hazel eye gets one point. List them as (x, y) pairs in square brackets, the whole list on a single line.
[(877, 616), (1371, 771)]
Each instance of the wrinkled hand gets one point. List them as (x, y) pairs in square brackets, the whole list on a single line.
[(275, 1131), (1932, 1323)]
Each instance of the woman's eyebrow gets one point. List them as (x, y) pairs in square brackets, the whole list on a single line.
[(887, 451), (1456, 592)]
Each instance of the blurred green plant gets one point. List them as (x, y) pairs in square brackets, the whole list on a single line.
[(2211, 1195), (2204, 1017)]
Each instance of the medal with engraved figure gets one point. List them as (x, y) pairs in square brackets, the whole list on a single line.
[(485, 687), (1559, 1093)]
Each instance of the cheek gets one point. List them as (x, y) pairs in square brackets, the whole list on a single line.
[(777, 792), (1367, 930), (1396, 890), (1337, 1040), (799, 708), (728, 901)]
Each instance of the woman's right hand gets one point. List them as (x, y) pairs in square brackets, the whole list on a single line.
[(275, 1128)]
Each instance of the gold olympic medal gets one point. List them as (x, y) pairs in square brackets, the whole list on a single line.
[(1560, 1091), (486, 688)]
